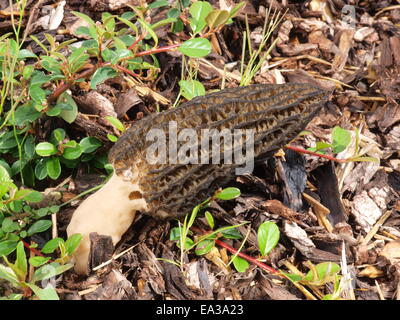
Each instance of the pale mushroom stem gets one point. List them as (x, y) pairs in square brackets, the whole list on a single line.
[(109, 211)]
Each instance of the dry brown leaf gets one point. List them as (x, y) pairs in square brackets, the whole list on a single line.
[(371, 272)]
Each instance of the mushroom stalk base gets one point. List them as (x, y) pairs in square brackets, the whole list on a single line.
[(109, 211)]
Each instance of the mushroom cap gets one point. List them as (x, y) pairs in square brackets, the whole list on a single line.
[(275, 113)]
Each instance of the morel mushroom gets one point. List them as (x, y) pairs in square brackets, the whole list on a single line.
[(274, 114)]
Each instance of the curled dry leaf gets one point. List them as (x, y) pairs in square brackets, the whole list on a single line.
[(371, 272), (298, 236)]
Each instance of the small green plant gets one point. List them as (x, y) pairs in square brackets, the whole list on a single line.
[(19, 221), (61, 149), (268, 233), (267, 238), (203, 20), (17, 218), (341, 139), (318, 275), (16, 274), (203, 244), (117, 125), (257, 57)]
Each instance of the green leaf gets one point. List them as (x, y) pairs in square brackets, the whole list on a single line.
[(48, 293), (31, 195), (24, 114), (71, 113), (54, 111), (21, 263), (158, 4), (50, 270), (38, 261), (191, 88), (84, 17), (129, 24), (173, 13), (72, 153), (52, 245), (101, 75), (7, 246), (341, 138), (39, 78), (27, 72), (7, 140), (267, 236), (45, 149), (293, 277), (240, 264), (89, 144), (210, 219), (84, 31), (203, 247), (128, 15), (40, 169), (14, 296), (322, 145), (39, 226), (57, 136), (189, 243), (16, 206), (175, 234), (199, 11), (108, 21), (236, 9), (108, 55), (37, 94), (162, 23), (29, 147), (216, 18), (17, 166), (53, 167), (195, 48), (228, 194), (231, 233), (72, 243), (147, 27), (50, 64), (25, 53), (116, 123), (178, 26), (112, 138), (325, 271), (8, 274), (9, 225), (5, 174)]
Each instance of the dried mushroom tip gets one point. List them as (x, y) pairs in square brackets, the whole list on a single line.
[(275, 113)]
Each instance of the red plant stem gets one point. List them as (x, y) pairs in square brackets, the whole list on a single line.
[(247, 257), (127, 71), (140, 38), (65, 86), (35, 251), (240, 254), (157, 50), (300, 150)]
